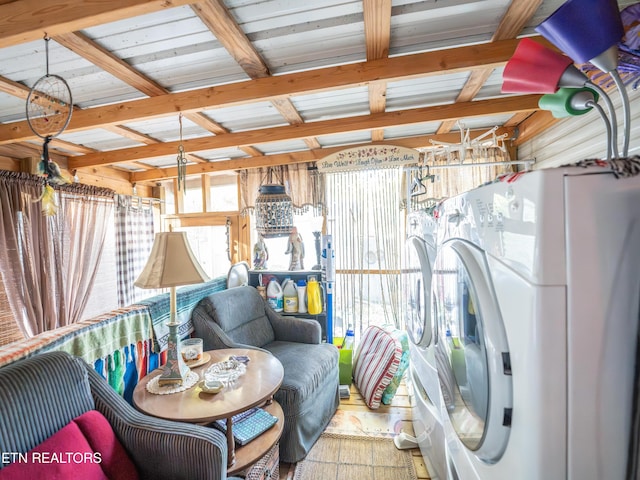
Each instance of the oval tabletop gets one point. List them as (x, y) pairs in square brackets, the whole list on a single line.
[(261, 380)]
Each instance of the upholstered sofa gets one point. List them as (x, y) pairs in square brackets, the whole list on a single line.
[(58, 416), (309, 396)]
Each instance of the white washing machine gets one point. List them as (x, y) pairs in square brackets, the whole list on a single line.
[(422, 373), (537, 293)]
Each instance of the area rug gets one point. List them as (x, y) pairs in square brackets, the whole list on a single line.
[(368, 424), (338, 457)]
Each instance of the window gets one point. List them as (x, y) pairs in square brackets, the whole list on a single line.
[(104, 294), (223, 193), (306, 223), (209, 245)]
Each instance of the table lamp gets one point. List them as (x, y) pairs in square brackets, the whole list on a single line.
[(171, 264)]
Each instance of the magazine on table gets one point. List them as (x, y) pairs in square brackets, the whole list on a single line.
[(248, 425)]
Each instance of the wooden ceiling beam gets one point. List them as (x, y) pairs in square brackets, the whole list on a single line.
[(83, 46), (327, 127), (219, 20), (297, 157), (29, 20), (216, 17), (14, 88), (535, 124), (438, 62), (377, 31), (511, 24)]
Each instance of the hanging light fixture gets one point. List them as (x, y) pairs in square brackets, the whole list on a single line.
[(534, 68), (273, 210), (589, 31)]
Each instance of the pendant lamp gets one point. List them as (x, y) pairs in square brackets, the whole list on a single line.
[(534, 68), (569, 102), (590, 31), (587, 31), (274, 211)]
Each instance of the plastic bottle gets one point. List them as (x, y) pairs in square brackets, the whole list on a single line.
[(314, 297), (302, 296), (349, 338), (290, 296), (275, 296)]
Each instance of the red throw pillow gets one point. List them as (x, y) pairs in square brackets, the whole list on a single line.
[(98, 432), (64, 455), (86, 448)]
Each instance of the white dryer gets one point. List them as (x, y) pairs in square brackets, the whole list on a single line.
[(537, 293), (422, 374)]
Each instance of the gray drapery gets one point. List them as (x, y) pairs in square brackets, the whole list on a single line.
[(48, 263)]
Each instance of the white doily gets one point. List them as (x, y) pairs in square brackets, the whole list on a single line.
[(190, 380)]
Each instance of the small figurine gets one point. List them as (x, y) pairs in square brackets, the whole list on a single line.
[(260, 254), (296, 248)]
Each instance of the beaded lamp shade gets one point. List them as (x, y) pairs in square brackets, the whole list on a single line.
[(274, 211)]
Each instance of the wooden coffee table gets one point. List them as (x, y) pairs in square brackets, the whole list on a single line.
[(255, 388)]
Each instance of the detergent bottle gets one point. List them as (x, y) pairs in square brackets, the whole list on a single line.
[(302, 296), (290, 296), (314, 296), (275, 296)]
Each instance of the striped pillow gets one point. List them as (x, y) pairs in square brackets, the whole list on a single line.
[(375, 363)]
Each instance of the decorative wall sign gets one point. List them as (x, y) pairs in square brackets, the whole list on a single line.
[(370, 156)]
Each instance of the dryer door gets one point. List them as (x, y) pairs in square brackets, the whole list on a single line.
[(472, 354), (416, 287)]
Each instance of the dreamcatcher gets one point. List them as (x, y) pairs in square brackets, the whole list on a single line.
[(49, 107)]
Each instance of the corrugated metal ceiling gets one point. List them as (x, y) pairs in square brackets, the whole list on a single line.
[(175, 50)]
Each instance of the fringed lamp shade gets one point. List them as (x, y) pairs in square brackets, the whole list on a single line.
[(273, 211)]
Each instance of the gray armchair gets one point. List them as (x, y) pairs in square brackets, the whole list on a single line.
[(309, 396), (42, 394)]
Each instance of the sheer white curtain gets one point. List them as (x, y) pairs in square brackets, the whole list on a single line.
[(48, 264), (82, 225), (367, 223)]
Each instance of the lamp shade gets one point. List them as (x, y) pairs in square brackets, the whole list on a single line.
[(171, 263), (569, 102), (533, 68), (274, 211), (585, 30)]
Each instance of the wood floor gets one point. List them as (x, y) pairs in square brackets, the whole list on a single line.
[(354, 417)]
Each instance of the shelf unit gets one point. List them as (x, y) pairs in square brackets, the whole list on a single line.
[(295, 275)]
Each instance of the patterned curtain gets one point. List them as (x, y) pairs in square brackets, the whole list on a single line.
[(48, 263), (134, 239)]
